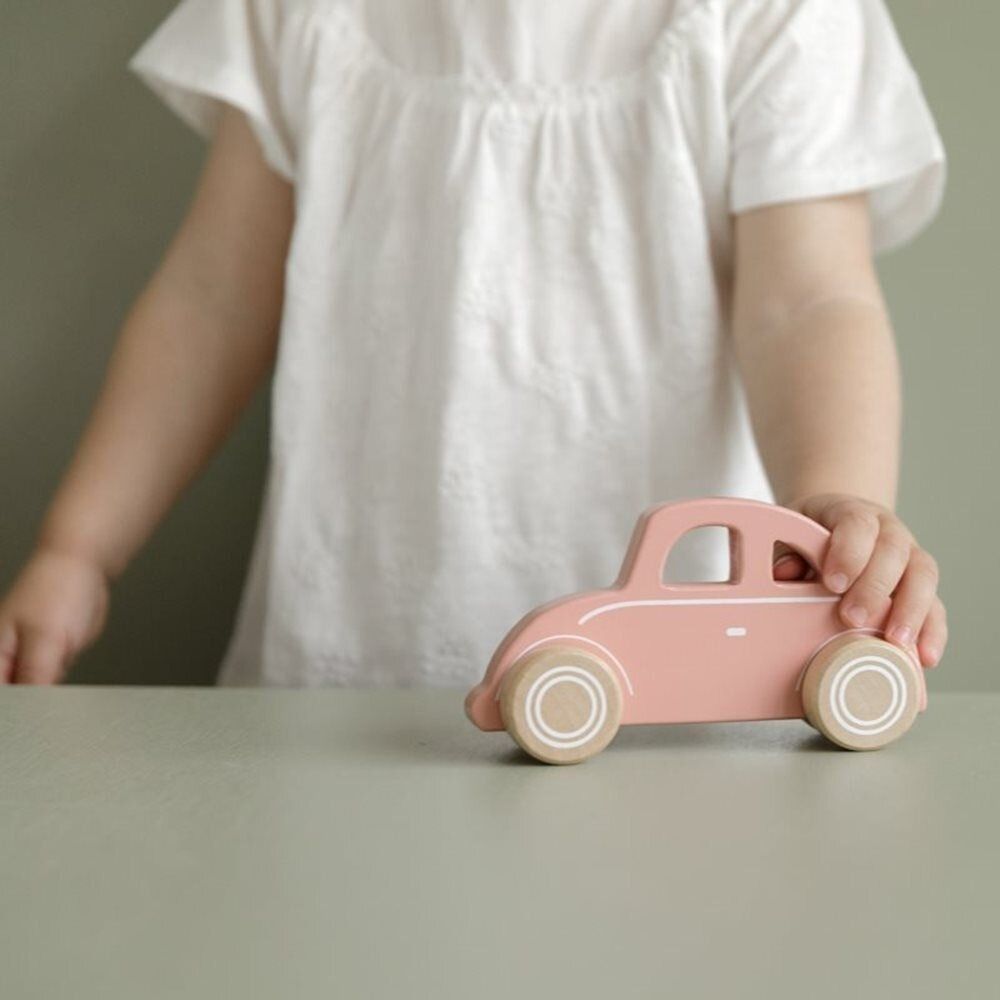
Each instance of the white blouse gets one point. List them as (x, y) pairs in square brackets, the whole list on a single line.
[(504, 330)]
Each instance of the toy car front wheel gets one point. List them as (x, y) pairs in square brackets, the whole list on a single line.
[(561, 704), (861, 693)]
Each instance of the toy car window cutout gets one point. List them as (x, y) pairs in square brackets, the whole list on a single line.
[(706, 554), (789, 565)]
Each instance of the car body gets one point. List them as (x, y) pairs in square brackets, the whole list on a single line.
[(693, 652)]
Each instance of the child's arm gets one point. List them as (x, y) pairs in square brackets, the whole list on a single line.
[(817, 355), (194, 347)]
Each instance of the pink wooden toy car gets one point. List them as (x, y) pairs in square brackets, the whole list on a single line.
[(643, 650)]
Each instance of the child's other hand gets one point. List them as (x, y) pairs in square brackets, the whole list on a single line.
[(56, 607), (875, 562)]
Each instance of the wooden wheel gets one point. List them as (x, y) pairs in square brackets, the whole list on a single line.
[(861, 692), (561, 704)]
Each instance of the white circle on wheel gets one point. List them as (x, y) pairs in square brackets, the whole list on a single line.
[(548, 683), (859, 671), (561, 704), (861, 692)]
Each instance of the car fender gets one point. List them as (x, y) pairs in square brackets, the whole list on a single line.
[(484, 711), (555, 639)]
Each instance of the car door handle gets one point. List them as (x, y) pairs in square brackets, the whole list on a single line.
[(736, 631)]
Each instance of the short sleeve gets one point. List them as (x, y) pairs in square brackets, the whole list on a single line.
[(208, 52), (822, 100)]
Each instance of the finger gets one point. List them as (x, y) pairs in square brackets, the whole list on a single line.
[(854, 535), (790, 566), (40, 658), (912, 599), (8, 650), (934, 635), (871, 592)]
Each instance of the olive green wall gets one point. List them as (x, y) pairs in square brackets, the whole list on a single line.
[(94, 176)]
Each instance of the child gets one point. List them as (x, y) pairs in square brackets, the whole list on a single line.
[(534, 266)]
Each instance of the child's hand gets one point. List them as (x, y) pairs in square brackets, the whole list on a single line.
[(875, 562), (56, 607)]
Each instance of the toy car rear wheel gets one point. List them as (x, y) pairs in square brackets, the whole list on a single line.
[(561, 704), (862, 693)]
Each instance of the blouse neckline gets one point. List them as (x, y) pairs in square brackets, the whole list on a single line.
[(525, 94)]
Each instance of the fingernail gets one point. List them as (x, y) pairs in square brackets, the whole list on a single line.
[(933, 656), (856, 615), (902, 634), (838, 583)]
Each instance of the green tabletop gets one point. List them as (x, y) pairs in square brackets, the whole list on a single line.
[(247, 843)]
